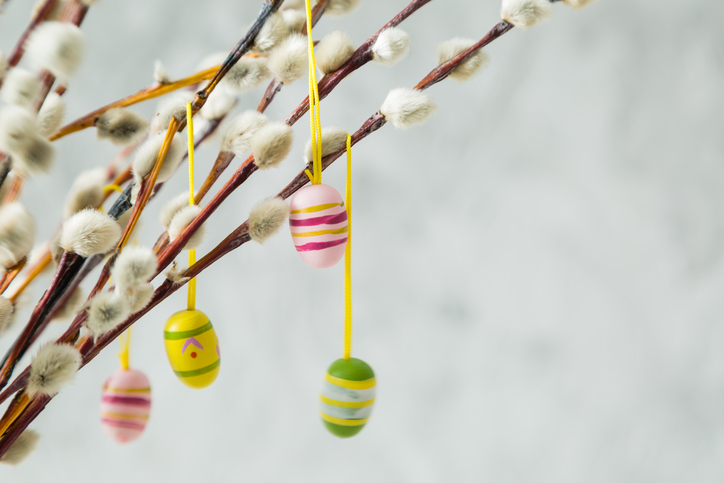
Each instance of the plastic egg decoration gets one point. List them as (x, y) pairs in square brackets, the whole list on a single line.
[(318, 222), (192, 348), (347, 397), (125, 405)]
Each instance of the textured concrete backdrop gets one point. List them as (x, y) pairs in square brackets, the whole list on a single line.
[(538, 270)]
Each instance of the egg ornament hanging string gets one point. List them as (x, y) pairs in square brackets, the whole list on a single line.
[(317, 217), (191, 344), (348, 393), (126, 399)]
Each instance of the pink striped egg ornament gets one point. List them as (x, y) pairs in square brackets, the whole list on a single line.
[(125, 405), (318, 221)]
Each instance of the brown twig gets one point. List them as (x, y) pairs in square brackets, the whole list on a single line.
[(147, 187), (241, 48), (152, 92)]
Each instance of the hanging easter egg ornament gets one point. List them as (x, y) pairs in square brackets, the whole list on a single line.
[(317, 218), (318, 221), (348, 393), (192, 348), (189, 337), (347, 396), (126, 400)]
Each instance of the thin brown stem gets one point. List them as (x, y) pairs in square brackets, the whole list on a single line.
[(152, 92), (241, 48)]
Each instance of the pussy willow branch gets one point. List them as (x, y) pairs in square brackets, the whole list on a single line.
[(362, 56), (240, 236), (44, 257), (224, 158), (148, 184), (151, 92), (66, 273), (233, 241), (74, 14), (242, 47), (68, 267)]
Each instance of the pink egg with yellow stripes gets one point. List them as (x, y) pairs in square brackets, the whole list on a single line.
[(318, 221), (125, 405)]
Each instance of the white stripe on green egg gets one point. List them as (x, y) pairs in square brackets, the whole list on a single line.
[(347, 397)]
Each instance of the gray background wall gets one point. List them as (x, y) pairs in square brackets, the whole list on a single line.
[(538, 270)]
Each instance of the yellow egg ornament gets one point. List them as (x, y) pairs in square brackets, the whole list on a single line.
[(192, 348)]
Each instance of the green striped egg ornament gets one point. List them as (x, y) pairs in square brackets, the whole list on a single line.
[(347, 396)]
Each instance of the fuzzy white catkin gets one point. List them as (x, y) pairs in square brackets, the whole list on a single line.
[(273, 32), (6, 314), (89, 232), (21, 448), (271, 144), (21, 88), (139, 296), (526, 13), (148, 153), (71, 306), (18, 128), (120, 126), (294, 19), (181, 220), (35, 157), (333, 139), (466, 69), (405, 107), (238, 133), (106, 311), (160, 74), (135, 265), (57, 47), (578, 3), (340, 7), (86, 192), (17, 233), (175, 274), (218, 105), (288, 61), (54, 366), (391, 45), (333, 51), (266, 218), (171, 207), (248, 73), (171, 107), (51, 114), (56, 251)]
